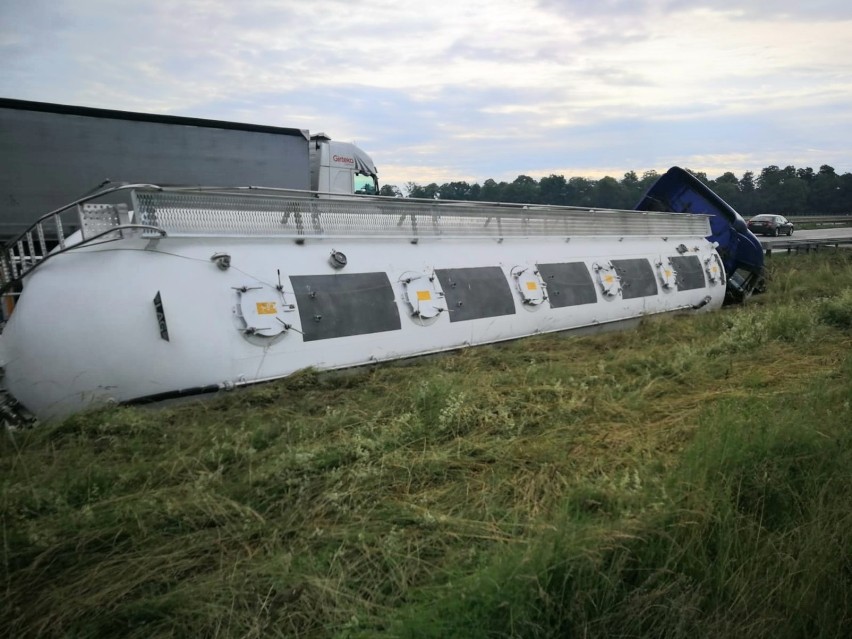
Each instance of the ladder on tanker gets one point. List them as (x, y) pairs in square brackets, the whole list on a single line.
[(78, 223), (54, 232)]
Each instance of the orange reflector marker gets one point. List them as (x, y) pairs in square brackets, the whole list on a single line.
[(424, 296), (532, 286)]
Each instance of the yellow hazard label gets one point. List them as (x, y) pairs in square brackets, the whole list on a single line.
[(266, 308), (608, 279), (532, 286), (424, 296), (668, 273)]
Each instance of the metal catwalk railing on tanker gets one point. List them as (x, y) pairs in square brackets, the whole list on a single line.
[(263, 213), (301, 215)]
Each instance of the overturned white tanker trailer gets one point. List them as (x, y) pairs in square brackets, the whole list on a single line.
[(192, 289)]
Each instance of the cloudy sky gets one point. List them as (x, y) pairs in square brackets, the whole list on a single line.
[(442, 90)]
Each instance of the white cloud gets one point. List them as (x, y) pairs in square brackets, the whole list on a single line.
[(486, 87)]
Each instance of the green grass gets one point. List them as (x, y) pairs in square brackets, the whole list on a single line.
[(691, 478)]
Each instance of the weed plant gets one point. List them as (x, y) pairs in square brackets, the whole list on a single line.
[(690, 478)]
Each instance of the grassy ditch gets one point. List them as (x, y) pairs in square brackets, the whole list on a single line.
[(691, 478)]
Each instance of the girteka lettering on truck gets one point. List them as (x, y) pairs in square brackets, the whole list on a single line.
[(145, 291)]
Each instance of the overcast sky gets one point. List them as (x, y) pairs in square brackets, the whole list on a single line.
[(442, 90)]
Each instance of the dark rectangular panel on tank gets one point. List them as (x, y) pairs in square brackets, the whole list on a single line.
[(637, 278), (689, 274), (568, 284), (52, 154), (344, 305), (474, 293)]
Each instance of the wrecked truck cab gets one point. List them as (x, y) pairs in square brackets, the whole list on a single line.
[(679, 191)]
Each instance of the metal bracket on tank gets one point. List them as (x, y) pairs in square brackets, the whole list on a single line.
[(261, 312), (666, 273), (608, 279), (423, 295), (713, 269), (530, 286)]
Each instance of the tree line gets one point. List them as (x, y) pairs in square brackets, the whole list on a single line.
[(787, 191)]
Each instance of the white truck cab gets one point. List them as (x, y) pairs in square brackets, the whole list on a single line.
[(341, 167)]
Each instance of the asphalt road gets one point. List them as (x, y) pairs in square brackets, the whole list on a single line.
[(843, 234)]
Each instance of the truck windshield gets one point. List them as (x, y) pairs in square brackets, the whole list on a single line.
[(366, 184)]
